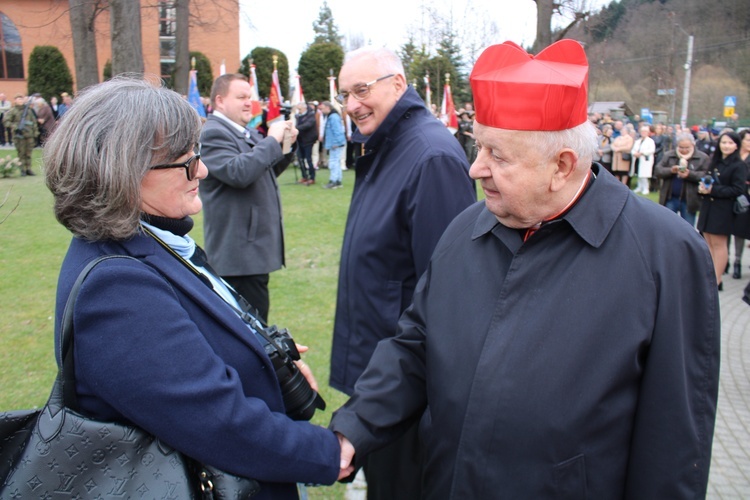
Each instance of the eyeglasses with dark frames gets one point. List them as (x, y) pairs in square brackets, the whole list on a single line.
[(190, 166), (360, 91)]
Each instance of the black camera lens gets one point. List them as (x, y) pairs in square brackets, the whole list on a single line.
[(300, 400)]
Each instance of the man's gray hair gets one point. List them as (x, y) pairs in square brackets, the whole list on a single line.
[(581, 139), (386, 60), (102, 148), (684, 136)]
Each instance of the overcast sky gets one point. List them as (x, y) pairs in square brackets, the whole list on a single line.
[(287, 24)]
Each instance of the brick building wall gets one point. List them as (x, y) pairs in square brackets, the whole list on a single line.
[(214, 31)]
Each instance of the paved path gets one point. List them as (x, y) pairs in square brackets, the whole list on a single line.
[(730, 463)]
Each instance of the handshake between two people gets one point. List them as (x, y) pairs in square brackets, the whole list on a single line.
[(347, 457)]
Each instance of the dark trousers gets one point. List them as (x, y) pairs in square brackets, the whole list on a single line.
[(255, 290), (395, 472), (304, 154)]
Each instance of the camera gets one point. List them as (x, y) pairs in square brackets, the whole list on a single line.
[(286, 110), (300, 400)]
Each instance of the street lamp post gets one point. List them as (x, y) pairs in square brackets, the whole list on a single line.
[(686, 87)]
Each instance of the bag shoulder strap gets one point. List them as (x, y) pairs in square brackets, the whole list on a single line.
[(65, 394)]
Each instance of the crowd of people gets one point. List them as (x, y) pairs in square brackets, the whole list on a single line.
[(28, 121), (484, 345), (695, 170)]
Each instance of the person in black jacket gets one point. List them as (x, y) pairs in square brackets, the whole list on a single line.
[(726, 180), (308, 135)]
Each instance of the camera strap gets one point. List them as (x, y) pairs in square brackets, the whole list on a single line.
[(245, 310)]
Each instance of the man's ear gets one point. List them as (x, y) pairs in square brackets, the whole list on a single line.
[(566, 161), (218, 102), (400, 82)]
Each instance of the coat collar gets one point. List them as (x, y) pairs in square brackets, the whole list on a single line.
[(408, 104), (244, 135), (148, 250), (592, 217)]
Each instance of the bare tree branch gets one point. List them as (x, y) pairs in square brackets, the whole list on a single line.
[(12, 209)]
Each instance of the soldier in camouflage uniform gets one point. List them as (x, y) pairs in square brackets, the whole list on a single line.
[(21, 122)]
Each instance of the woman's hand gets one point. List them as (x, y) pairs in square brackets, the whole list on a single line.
[(304, 369)]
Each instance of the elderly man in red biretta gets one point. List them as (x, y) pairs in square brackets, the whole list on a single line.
[(552, 350)]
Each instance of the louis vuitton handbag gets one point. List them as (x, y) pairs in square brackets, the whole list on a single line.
[(56, 452)]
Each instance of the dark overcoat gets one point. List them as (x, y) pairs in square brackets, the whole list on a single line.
[(582, 363), (717, 208), (411, 182), (242, 219), (154, 346)]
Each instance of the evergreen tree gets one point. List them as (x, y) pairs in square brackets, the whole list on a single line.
[(324, 27), (262, 57), (315, 65), (49, 74), (450, 53)]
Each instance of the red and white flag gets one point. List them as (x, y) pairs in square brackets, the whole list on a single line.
[(448, 110), (257, 109), (274, 99), (298, 96)]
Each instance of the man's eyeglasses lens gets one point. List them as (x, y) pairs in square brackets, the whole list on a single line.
[(190, 166), (360, 92)]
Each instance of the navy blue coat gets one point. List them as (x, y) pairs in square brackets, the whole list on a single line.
[(156, 347), (580, 364), (411, 182)]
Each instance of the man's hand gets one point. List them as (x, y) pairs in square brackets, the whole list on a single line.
[(279, 128), (347, 455)]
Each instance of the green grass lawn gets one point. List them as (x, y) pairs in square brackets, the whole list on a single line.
[(33, 244)]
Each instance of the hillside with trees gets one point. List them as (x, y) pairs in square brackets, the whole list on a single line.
[(638, 47)]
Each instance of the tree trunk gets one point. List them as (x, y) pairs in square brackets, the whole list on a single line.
[(127, 48), (544, 11), (182, 49), (82, 16)]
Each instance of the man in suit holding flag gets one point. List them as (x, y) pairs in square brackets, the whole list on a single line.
[(241, 203)]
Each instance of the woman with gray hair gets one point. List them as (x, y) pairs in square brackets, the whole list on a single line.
[(161, 342), (681, 170)]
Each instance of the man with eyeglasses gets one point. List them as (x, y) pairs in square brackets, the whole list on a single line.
[(411, 181), (241, 203)]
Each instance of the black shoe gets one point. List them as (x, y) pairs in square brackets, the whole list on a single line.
[(30, 172), (726, 269), (721, 287), (737, 274)]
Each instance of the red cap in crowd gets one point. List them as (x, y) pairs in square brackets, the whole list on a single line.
[(514, 90)]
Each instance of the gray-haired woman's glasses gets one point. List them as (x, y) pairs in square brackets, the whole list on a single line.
[(190, 166)]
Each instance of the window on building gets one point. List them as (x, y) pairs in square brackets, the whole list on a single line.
[(167, 40), (11, 53)]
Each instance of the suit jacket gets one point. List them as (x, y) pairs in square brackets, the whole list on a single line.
[(243, 226), (156, 347)]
